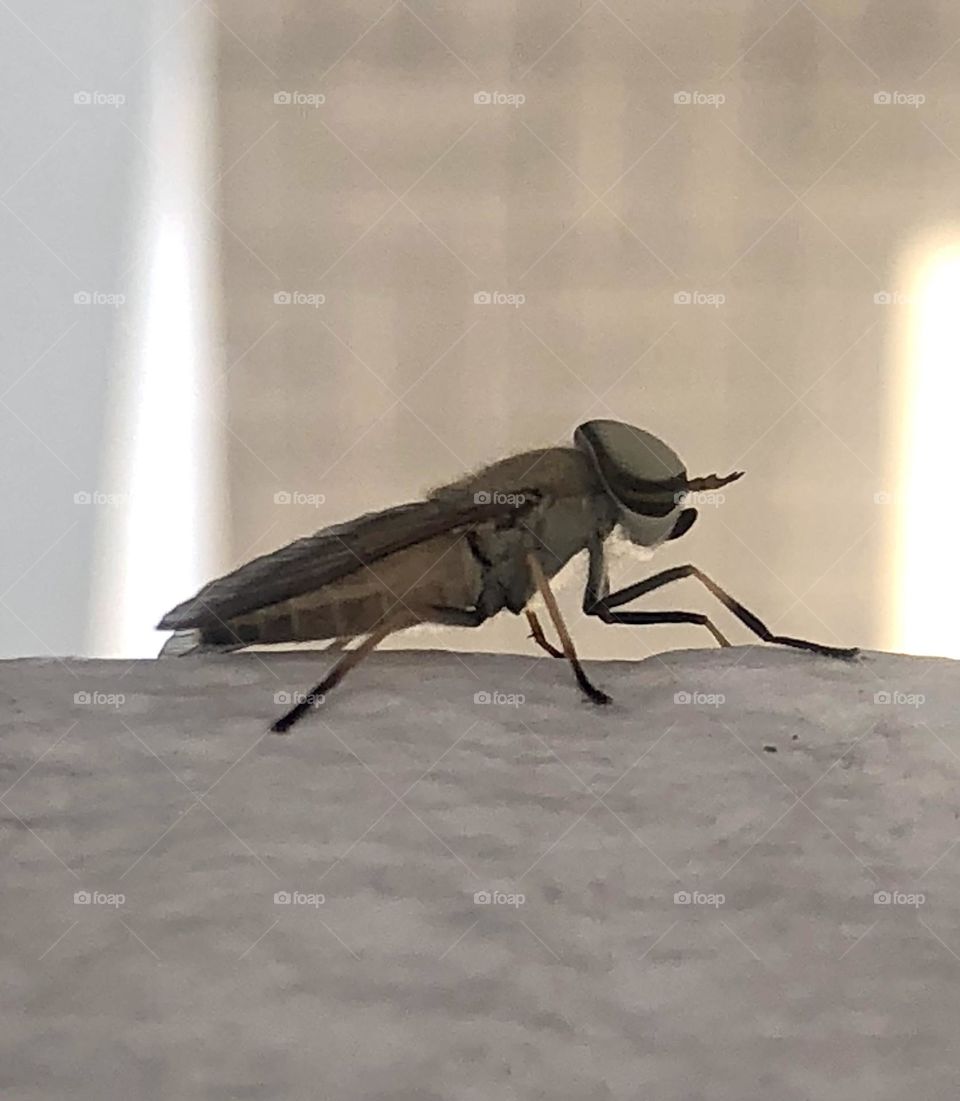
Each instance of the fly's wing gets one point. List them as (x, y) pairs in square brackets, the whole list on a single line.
[(331, 553)]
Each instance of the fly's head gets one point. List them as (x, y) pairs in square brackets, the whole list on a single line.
[(645, 478)]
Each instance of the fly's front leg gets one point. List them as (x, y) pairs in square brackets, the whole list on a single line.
[(676, 573), (635, 619), (598, 580), (599, 601)]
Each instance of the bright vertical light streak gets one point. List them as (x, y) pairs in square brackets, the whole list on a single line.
[(928, 611), (164, 454)]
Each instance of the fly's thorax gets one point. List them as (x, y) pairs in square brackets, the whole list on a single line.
[(556, 529), (562, 527), (549, 472)]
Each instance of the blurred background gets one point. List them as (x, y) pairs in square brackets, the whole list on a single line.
[(269, 266)]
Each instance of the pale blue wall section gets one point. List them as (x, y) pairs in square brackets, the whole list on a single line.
[(71, 110)]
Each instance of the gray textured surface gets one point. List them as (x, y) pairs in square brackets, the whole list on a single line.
[(399, 985)]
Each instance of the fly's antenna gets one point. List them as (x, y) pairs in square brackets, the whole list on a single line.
[(658, 497), (711, 481)]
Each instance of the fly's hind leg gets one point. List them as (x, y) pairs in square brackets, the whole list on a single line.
[(350, 659), (452, 617)]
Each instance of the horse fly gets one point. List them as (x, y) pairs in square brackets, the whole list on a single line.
[(487, 542)]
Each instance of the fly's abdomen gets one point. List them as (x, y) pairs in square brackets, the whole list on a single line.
[(403, 588)]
